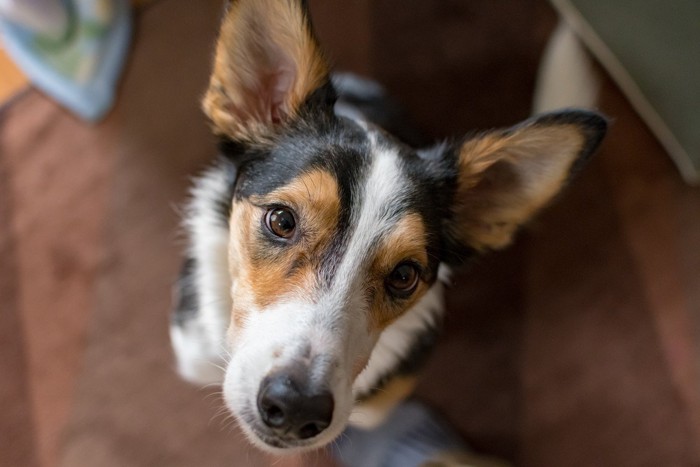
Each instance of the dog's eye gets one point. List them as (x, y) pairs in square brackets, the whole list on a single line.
[(281, 222), (403, 279)]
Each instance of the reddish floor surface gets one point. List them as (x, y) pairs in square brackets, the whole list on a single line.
[(578, 346)]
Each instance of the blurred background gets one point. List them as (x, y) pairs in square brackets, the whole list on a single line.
[(578, 346)]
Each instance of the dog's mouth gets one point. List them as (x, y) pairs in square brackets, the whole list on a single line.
[(273, 441)]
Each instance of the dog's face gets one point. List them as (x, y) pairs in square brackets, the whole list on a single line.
[(337, 229), (334, 235)]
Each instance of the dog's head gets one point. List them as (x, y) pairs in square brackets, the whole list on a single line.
[(337, 229)]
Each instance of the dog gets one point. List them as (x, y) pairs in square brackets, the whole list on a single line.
[(320, 244)]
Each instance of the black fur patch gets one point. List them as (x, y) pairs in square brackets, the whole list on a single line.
[(224, 202), (185, 295)]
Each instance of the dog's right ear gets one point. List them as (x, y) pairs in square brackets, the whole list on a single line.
[(267, 64)]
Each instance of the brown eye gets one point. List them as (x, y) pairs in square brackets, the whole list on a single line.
[(403, 279), (281, 222)]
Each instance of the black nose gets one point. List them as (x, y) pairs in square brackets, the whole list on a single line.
[(288, 406)]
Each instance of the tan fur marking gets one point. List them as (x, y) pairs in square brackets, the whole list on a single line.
[(261, 273), (407, 241), (242, 220), (505, 180), (265, 48), (359, 365), (372, 411)]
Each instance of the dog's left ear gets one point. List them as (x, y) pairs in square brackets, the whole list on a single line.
[(267, 64), (505, 177)]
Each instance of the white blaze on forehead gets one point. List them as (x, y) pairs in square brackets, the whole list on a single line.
[(375, 203)]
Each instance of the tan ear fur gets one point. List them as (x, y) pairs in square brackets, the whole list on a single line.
[(505, 178), (267, 63)]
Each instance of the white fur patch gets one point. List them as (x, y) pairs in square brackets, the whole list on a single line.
[(397, 339), (200, 343), (198, 356), (394, 345), (284, 333), (385, 186)]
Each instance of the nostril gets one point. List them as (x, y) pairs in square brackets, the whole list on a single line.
[(317, 416), (278, 398), (273, 416), (322, 406), (310, 430)]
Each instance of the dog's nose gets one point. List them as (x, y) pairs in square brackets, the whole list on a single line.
[(287, 406)]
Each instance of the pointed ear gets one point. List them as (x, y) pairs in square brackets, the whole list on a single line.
[(267, 64), (505, 177)]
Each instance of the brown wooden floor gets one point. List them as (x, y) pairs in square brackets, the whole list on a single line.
[(576, 347)]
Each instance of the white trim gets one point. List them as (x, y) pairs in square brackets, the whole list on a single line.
[(629, 87), (566, 77)]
